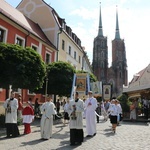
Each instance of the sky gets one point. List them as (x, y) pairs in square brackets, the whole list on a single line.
[(134, 25)]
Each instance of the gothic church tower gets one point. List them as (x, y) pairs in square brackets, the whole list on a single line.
[(100, 54), (116, 75), (119, 62)]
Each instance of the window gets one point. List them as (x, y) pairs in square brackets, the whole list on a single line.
[(75, 55), (120, 66), (3, 34), (37, 48), (120, 55), (20, 41), (63, 44), (16, 90), (102, 54), (48, 58), (69, 50), (34, 47), (102, 64), (102, 73), (79, 59), (102, 44), (30, 92), (120, 74)]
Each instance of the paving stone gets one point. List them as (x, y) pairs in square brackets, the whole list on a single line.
[(128, 136)]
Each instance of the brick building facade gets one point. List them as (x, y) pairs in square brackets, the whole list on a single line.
[(116, 74)]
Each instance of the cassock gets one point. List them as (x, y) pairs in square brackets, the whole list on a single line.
[(75, 111), (47, 110), (28, 116), (11, 106), (91, 116)]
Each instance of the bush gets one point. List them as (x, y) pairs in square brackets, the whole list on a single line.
[(125, 103), (2, 121), (19, 121)]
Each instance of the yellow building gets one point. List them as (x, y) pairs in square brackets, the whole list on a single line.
[(55, 28)]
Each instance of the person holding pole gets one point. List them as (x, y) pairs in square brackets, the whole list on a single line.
[(11, 106), (75, 111)]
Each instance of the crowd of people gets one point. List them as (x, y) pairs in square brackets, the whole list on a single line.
[(75, 111)]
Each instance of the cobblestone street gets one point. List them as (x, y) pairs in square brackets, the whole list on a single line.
[(129, 136)]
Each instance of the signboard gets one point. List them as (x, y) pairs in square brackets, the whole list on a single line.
[(96, 88), (81, 84), (106, 91)]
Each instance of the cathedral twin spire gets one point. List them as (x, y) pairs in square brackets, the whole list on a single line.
[(100, 29), (117, 34)]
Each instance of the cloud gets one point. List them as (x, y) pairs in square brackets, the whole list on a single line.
[(84, 13), (134, 29), (83, 18), (133, 25)]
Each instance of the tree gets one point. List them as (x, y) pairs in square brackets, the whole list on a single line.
[(20, 67), (124, 102), (60, 77)]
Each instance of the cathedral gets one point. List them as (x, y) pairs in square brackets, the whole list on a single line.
[(116, 75)]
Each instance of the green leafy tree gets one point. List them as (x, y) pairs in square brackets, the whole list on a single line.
[(60, 77), (124, 102), (20, 67)]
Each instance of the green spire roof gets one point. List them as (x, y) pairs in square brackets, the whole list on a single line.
[(100, 29), (117, 34)]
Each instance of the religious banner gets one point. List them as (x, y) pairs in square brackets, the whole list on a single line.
[(96, 88), (106, 91), (80, 84)]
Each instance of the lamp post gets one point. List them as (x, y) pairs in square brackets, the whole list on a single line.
[(46, 85), (10, 89), (60, 31)]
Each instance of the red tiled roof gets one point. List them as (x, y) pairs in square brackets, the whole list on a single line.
[(26, 23)]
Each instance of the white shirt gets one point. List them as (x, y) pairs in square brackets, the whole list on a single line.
[(114, 110)]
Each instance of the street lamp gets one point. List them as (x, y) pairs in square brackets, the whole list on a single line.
[(46, 85), (60, 31), (10, 89)]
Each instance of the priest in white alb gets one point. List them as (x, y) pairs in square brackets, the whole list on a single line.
[(75, 110), (90, 106), (47, 110), (11, 106)]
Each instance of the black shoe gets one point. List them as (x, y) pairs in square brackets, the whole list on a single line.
[(79, 143), (114, 131), (72, 144), (94, 134), (89, 136), (15, 136)]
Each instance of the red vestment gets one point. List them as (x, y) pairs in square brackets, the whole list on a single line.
[(28, 116)]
